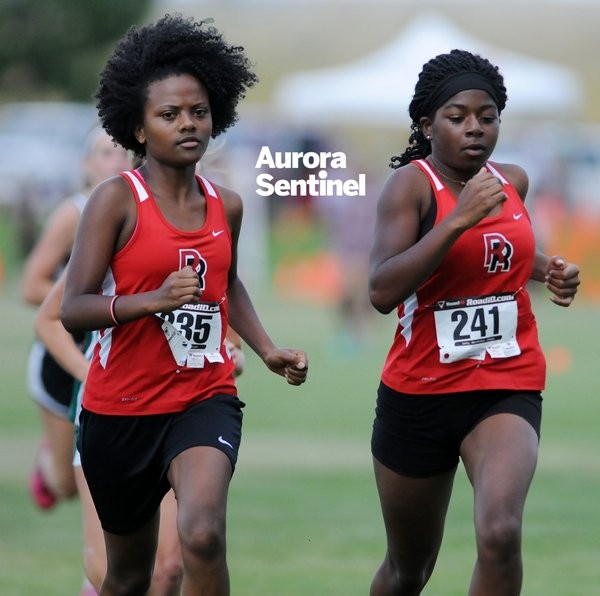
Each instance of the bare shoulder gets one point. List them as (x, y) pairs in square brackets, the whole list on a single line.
[(402, 205), (113, 196), (231, 199), (516, 175), (233, 205), (59, 232), (110, 214), (60, 227), (66, 211), (406, 187)]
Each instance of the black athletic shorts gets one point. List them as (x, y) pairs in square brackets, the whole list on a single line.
[(49, 385), (125, 459), (420, 435)]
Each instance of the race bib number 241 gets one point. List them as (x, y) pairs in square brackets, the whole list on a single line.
[(472, 327)]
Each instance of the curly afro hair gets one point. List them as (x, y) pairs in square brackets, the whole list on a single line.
[(435, 73), (174, 45)]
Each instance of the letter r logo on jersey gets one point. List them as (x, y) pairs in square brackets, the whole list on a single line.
[(498, 253), (191, 257)]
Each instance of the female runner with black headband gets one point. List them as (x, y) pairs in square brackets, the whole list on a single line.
[(453, 252)]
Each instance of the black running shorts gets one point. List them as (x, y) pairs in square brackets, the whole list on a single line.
[(125, 459), (420, 435)]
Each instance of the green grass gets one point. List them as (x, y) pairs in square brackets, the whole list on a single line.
[(304, 518)]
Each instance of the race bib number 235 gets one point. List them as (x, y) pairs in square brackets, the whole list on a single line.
[(193, 332)]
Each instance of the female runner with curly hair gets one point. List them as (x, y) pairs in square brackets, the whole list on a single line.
[(453, 251), (154, 268)]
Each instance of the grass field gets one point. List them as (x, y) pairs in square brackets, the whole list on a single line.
[(303, 513)]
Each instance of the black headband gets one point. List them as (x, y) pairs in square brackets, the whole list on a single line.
[(455, 84)]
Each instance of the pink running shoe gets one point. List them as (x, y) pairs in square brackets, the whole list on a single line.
[(42, 496)]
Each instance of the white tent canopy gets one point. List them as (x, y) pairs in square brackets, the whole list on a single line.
[(377, 88)]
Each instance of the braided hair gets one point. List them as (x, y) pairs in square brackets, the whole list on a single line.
[(174, 45), (436, 73)]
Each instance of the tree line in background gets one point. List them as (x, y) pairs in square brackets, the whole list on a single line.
[(56, 48)]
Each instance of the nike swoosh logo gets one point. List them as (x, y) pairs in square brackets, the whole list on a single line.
[(216, 233), (224, 442), (515, 216)]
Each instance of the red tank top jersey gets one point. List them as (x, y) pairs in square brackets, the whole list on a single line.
[(162, 364), (470, 326)]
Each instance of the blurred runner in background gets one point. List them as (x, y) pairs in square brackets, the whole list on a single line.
[(50, 386)]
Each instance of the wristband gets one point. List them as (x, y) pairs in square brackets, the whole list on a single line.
[(112, 310)]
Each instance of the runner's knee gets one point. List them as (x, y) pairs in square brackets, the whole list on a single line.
[(499, 539), (204, 539)]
